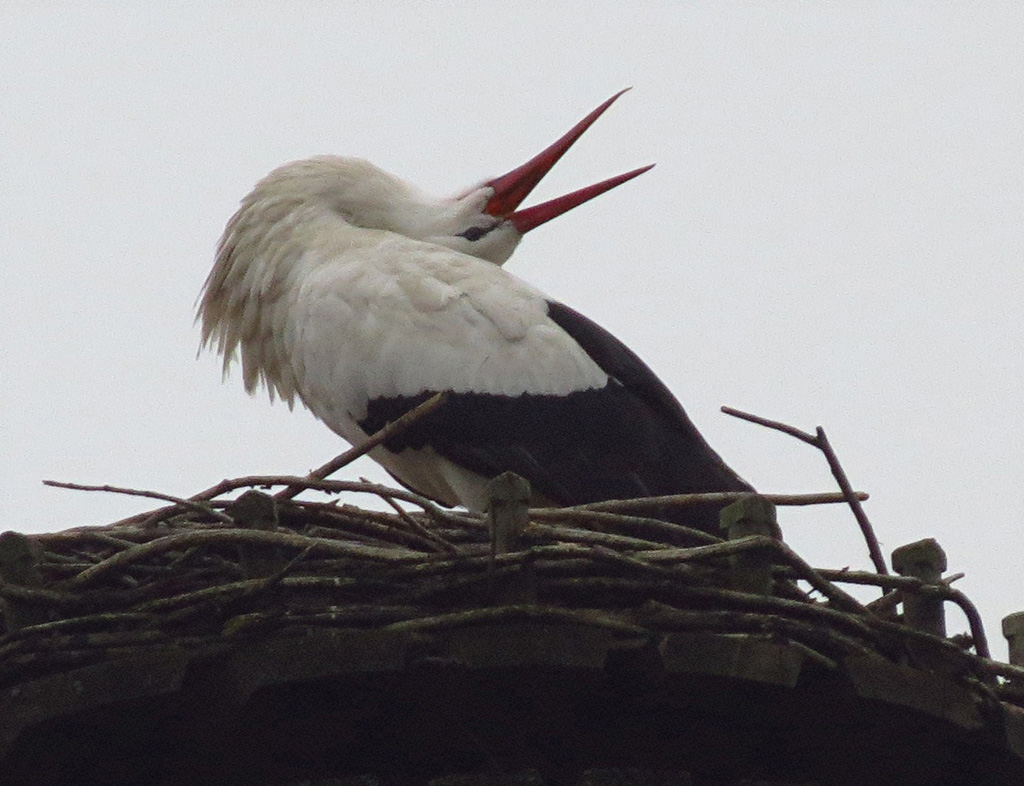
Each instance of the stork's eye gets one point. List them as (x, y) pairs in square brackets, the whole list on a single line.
[(475, 233)]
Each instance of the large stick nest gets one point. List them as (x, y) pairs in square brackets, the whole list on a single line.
[(213, 570)]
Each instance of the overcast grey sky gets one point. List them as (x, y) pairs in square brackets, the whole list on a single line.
[(834, 233)]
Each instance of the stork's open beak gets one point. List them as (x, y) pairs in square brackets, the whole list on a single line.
[(512, 188)]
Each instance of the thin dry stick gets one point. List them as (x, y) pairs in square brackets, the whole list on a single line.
[(858, 510), (708, 498), (235, 537), (519, 612), (267, 481), (540, 532), (591, 518), (391, 429), (820, 441), (970, 611), (193, 505), (340, 486), (415, 526), (886, 582)]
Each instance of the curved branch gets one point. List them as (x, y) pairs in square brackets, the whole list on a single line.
[(188, 504), (820, 441)]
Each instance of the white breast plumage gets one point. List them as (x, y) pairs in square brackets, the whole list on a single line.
[(425, 319)]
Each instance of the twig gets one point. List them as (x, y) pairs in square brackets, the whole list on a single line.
[(368, 614), (340, 486), (220, 592), (267, 481), (590, 516), (193, 505), (415, 526), (235, 537), (820, 441), (535, 532), (464, 561), (785, 428), (519, 612), (973, 620), (80, 623), (885, 582), (393, 428), (710, 498), (858, 510)]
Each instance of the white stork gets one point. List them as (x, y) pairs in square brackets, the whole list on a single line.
[(348, 288)]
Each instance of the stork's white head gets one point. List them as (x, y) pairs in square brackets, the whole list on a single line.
[(482, 221)]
